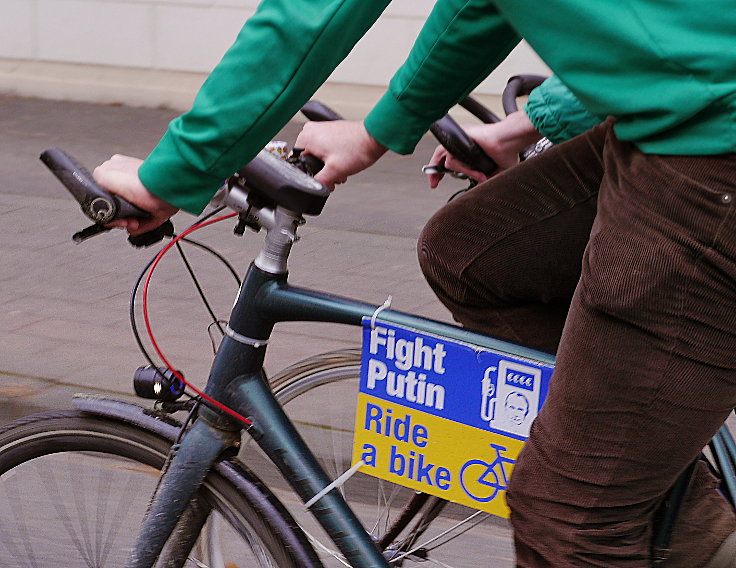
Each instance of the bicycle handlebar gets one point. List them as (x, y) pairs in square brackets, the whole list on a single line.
[(479, 111), (98, 204), (451, 135), (319, 112), (279, 182), (446, 130), (316, 112), (518, 86), (308, 163)]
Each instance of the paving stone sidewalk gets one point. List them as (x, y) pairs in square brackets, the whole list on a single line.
[(64, 307)]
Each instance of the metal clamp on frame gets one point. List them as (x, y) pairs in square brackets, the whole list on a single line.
[(232, 334), (277, 245)]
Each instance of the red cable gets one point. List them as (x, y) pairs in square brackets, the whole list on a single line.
[(176, 373)]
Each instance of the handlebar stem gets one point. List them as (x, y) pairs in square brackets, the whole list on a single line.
[(277, 245), (280, 225)]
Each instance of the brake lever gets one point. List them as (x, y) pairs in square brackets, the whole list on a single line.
[(430, 169), (138, 241), (89, 232)]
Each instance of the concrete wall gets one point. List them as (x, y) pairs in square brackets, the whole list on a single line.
[(157, 52)]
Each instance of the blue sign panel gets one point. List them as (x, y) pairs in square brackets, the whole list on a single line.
[(456, 381)]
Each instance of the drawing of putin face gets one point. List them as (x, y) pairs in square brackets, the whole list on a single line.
[(516, 407)]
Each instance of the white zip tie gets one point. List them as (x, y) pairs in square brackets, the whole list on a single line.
[(339, 482), (386, 305)]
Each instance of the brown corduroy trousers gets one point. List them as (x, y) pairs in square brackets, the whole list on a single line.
[(624, 264)]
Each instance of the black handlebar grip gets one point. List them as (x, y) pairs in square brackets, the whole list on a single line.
[(99, 205), (451, 135), (479, 111), (319, 112)]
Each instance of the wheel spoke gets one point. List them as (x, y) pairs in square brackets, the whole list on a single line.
[(78, 492), (431, 529)]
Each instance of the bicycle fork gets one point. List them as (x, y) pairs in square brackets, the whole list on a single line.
[(276, 435), (237, 380), (278, 438), (201, 447)]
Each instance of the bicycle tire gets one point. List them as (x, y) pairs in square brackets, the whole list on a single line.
[(329, 383), (74, 487)]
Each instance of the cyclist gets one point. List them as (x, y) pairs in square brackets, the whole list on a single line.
[(645, 373), (465, 290), (614, 250)]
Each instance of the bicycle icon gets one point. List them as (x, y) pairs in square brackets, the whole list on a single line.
[(484, 478)]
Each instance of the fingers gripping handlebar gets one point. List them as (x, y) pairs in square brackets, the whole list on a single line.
[(98, 204), (316, 112), (451, 135), (446, 130), (464, 148)]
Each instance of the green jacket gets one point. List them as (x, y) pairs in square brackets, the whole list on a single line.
[(283, 54), (666, 72)]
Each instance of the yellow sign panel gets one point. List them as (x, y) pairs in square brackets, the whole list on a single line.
[(434, 455)]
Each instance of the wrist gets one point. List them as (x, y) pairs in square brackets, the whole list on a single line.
[(506, 139), (372, 146), (520, 130)]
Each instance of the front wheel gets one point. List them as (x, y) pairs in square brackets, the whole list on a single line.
[(74, 488)]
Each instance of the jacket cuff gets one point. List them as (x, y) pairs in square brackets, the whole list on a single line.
[(544, 120), (393, 126), (180, 174), (556, 113)]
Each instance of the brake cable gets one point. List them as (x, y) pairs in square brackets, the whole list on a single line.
[(150, 268)]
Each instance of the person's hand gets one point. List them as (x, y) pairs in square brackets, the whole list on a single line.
[(119, 175), (502, 141), (344, 146)]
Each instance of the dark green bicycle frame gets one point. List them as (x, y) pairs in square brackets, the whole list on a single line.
[(237, 380)]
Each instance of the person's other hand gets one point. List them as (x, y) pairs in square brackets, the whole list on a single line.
[(344, 146), (502, 141), (119, 175)]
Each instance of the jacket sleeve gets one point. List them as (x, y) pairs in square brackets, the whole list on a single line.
[(285, 51), (557, 113), (461, 42)]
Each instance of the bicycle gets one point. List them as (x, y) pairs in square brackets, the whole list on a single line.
[(209, 509)]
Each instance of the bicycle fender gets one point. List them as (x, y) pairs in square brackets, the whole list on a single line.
[(128, 412)]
